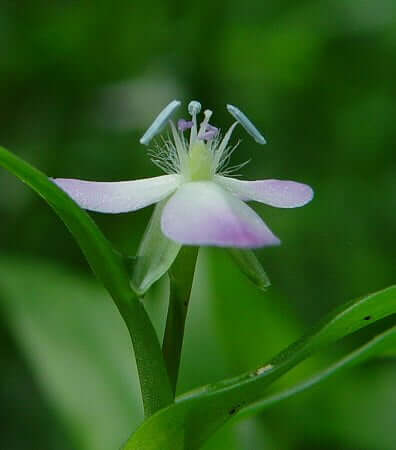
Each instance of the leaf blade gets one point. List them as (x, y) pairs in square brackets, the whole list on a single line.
[(378, 346), (111, 270), (198, 414), (79, 362)]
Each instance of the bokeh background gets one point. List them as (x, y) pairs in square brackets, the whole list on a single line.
[(79, 83)]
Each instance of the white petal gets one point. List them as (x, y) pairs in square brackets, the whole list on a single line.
[(121, 196), (203, 213), (279, 193)]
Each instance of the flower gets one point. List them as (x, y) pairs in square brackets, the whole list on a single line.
[(204, 206)]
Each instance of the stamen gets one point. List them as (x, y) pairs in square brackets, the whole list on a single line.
[(165, 156), (210, 133), (183, 125), (204, 124), (159, 122), (179, 146), (224, 143), (194, 108), (222, 161), (232, 170), (246, 123)]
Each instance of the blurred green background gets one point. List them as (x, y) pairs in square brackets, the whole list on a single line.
[(79, 83)]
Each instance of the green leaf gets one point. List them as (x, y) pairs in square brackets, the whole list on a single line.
[(249, 265), (155, 255), (198, 414), (381, 345), (77, 348), (110, 268), (254, 324)]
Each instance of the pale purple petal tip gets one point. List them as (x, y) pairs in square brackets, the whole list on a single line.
[(278, 193), (203, 213), (184, 125), (118, 197)]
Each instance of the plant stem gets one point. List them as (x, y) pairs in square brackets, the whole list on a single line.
[(153, 377), (110, 269), (181, 277)]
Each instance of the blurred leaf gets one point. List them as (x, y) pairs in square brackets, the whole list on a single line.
[(104, 261), (358, 406), (111, 269), (248, 263), (251, 434), (198, 414), (78, 348), (253, 325)]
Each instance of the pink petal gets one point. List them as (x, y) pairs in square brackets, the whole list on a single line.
[(203, 213), (121, 196), (279, 193)]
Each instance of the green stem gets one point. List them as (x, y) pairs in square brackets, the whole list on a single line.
[(111, 270), (153, 377), (181, 277)]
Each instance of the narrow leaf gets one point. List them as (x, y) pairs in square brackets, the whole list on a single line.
[(110, 268), (198, 414), (381, 345)]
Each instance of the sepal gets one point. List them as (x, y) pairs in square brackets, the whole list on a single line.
[(155, 255), (250, 266)]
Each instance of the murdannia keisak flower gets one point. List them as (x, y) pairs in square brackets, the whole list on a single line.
[(205, 205)]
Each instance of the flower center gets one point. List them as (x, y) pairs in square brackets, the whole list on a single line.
[(200, 163), (204, 153)]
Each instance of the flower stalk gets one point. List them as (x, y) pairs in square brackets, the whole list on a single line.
[(181, 277)]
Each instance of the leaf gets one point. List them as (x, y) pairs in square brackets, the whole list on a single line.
[(110, 268), (198, 414), (78, 348), (254, 324), (155, 255), (377, 347), (250, 266)]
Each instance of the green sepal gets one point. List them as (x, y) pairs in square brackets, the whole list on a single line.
[(155, 255), (250, 266)]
